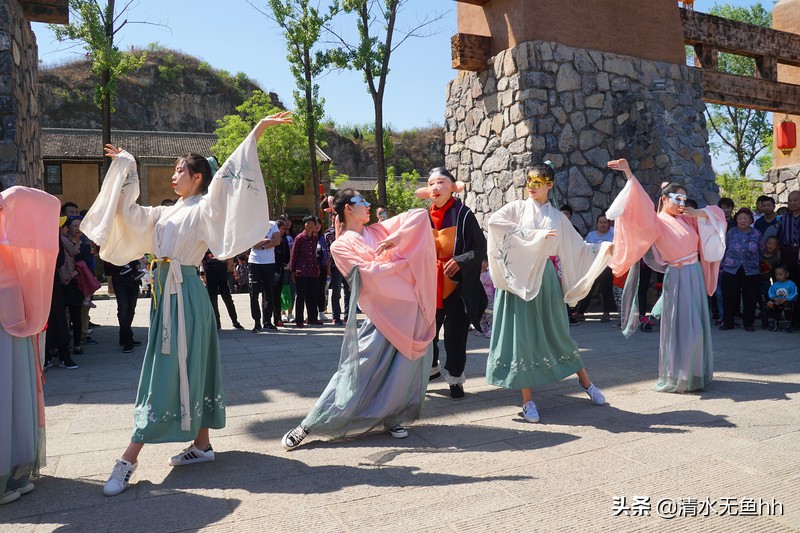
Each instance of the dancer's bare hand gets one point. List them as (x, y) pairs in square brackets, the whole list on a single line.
[(386, 244), (112, 151), (284, 117), (621, 165)]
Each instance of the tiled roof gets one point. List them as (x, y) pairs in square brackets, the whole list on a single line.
[(69, 143), (82, 144)]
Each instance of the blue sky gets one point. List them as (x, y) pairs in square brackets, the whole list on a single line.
[(239, 38)]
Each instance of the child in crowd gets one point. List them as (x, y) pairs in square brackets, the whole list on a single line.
[(766, 266), (782, 297), (488, 286)]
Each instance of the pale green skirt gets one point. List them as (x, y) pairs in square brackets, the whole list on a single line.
[(531, 344), (157, 415)]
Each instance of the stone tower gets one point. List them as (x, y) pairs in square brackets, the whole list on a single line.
[(577, 83)]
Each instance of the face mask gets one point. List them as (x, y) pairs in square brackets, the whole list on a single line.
[(536, 182), (678, 198), (359, 200)]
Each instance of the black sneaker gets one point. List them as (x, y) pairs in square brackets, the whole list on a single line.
[(787, 328), (136, 343), (293, 438), (67, 362), (88, 341), (128, 348), (269, 326), (48, 363), (773, 326), (457, 392), (236, 325), (436, 372), (256, 328)]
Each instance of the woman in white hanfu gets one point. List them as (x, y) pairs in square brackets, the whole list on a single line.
[(180, 392), (530, 344)]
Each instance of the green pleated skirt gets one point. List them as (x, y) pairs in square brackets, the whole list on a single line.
[(157, 415), (531, 344)]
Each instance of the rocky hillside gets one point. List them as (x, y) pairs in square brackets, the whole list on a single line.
[(171, 92), (178, 92)]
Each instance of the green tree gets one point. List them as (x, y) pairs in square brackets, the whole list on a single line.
[(400, 191), (95, 27), (743, 191), (370, 53), (302, 24), (281, 151), (745, 133)]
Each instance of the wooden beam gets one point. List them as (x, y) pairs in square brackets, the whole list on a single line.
[(49, 11), (470, 52), (740, 38), (475, 2), (754, 93)]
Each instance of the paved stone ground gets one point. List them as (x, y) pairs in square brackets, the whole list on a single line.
[(473, 465)]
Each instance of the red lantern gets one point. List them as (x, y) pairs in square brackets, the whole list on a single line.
[(786, 136)]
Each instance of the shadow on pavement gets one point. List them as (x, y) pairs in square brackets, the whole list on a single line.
[(615, 420), (79, 505), (749, 390)]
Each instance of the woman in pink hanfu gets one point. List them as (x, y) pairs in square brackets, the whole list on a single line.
[(28, 252), (384, 364), (688, 244)]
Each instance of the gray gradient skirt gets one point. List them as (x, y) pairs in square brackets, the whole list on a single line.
[(374, 386), (686, 358)]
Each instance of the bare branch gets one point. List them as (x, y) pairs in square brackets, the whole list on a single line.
[(413, 32), (122, 11)]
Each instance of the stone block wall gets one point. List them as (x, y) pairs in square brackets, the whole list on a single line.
[(779, 182), (578, 108), (20, 145)]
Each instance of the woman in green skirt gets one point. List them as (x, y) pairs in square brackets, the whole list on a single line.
[(180, 394), (530, 344)]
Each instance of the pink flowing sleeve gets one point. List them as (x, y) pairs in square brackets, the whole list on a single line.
[(398, 287), (636, 226), (28, 251)]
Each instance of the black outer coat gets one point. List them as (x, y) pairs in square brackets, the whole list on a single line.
[(469, 253)]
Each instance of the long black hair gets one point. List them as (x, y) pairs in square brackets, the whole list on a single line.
[(341, 200)]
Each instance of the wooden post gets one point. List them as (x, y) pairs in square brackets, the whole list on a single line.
[(706, 57), (767, 68)]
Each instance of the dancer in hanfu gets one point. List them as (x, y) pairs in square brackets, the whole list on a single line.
[(28, 250), (688, 245), (384, 364), (530, 344), (180, 393)]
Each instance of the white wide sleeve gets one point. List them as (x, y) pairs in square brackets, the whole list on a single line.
[(235, 209), (581, 262), (121, 228), (517, 254)]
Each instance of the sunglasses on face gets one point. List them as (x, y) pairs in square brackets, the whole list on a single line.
[(679, 199), (359, 200)]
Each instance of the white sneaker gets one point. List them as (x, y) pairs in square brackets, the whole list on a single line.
[(290, 317), (398, 431), (323, 317), (119, 478), (595, 394), (529, 412), (9, 496), (192, 455), (293, 438)]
